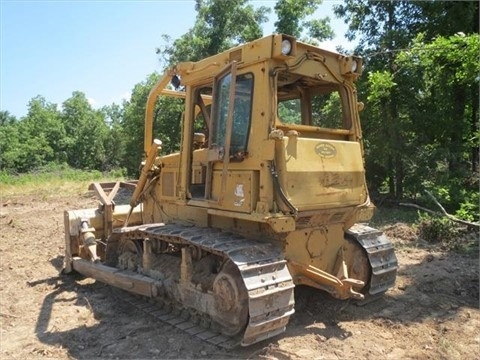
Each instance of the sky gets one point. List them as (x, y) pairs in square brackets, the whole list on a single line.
[(102, 48)]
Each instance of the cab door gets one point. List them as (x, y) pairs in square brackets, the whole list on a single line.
[(229, 130)]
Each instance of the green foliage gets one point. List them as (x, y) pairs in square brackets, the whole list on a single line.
[(469, 208), (448, 235), (447, 17), (43, 123), (381, 84), (219, 25), (456, 199), (9, 140), (289, 111), (77, 135), (327, 110), (168, 123), (445, 142), (378, 24), (319, 30), (115, 143), (291, 15), (436, 229), (87, 133), (445, 61), (35, 140), (6, 118)]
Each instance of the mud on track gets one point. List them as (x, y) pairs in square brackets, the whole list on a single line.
[(431, 313)]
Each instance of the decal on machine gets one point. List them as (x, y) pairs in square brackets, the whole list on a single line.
[(239, 195), (325, 150)]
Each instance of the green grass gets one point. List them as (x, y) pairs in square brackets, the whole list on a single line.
[(54, 179)]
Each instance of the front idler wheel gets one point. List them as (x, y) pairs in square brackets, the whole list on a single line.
[(231, 301)]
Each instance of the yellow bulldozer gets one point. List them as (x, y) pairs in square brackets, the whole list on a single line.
[(267, 192)]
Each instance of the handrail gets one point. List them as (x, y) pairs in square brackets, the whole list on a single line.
[(150, 107), (157, 90), (312, 129)]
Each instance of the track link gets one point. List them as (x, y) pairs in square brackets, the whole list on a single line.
[(261, 266), (175, 317)]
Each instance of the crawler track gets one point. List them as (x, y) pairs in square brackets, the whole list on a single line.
[(174, 317), (381, 255), (260, 264)]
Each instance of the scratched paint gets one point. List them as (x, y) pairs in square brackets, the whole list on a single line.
[(342, 180)]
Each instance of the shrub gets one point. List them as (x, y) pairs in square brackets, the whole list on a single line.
[(437, 229)]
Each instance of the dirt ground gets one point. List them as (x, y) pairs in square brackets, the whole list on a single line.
[(431, 313)]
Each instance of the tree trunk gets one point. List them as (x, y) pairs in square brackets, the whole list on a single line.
[(456, 130), (399, 176), (391, 176), (474, 129)]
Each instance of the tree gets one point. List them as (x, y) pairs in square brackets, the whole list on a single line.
[(445, 100), (43, 122), (447, 18), (35, 140), (116, 140), (219, 25), (291, 15), (9, 141), (86, 131), (6, 118)]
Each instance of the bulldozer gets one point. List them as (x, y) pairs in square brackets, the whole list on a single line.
[(267, 192)]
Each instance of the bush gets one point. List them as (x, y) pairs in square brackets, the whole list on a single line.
[(459, 198), (436, 229)]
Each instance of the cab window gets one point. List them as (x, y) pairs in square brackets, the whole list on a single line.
[(312, 102), (242, 113)]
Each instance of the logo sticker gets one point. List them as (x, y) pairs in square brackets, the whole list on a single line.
[(325, 150)]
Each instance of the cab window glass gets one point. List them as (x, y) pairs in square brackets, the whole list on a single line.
[(242, 112)]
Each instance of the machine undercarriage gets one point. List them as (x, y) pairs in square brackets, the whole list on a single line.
[(232, 284), (229, 289)]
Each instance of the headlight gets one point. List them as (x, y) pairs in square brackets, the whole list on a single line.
[(286, 47), (354, 66), (351, 65), (283, 46)]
